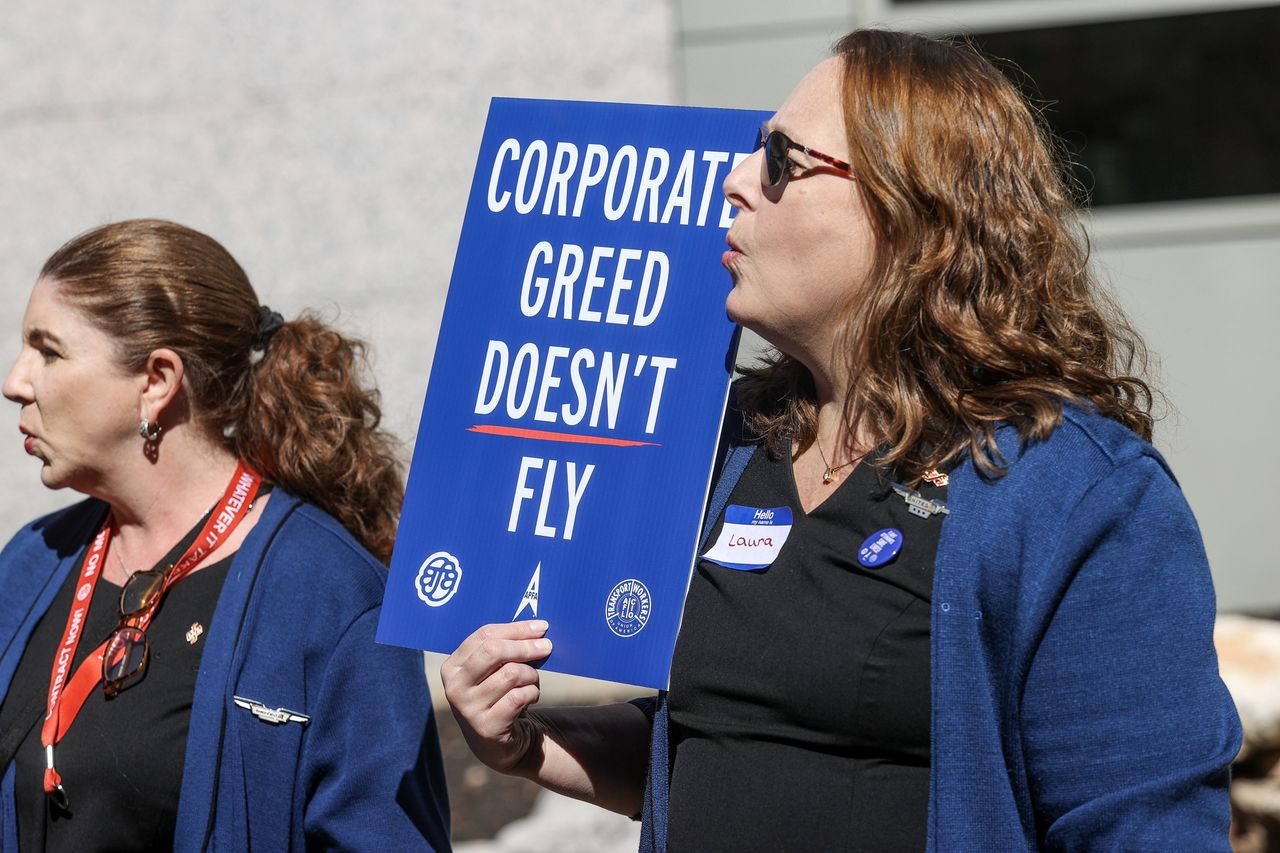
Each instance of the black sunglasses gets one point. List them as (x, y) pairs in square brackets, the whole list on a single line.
[(775, 167), (127, 650)]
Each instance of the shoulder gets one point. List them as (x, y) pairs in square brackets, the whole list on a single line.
[(307, 551), (1085, 448), (308, 529), (62, 531), (1089, 465), (1084, 430)]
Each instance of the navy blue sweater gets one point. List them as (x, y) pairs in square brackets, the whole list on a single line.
[(1076, 703), (293, 629)]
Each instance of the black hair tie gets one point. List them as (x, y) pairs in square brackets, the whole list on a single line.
[(983, 376), (269, 322)]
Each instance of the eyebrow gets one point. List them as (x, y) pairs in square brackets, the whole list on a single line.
[(36, 334)]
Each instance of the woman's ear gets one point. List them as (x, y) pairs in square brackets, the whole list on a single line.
[(163, 377)]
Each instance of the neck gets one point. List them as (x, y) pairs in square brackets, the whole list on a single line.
[(832, 430), (840, 445), (153, 504), (821, 465)]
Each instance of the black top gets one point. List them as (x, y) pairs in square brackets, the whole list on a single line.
[(121, 761), (800, 693)]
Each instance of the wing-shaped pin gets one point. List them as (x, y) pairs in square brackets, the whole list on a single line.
[(275, 716), (918, 505)]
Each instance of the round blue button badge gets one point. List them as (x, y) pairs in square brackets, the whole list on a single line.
[(880, 547)]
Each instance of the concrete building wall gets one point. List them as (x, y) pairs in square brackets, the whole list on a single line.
[(330, 148), (1199, 281), (328, 145), (1197, 278)]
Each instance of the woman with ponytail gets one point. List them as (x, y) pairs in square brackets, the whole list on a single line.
[(187, 656)]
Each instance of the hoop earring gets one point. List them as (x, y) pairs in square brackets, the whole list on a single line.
[(149, 432)]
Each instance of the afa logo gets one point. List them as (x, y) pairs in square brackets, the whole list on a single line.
[(530, 598), (438, 578), (626, 610)]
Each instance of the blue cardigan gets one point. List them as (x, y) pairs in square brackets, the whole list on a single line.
[(1076, 701), (293, 628)]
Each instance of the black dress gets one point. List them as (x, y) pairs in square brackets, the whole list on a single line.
[(800, 692)]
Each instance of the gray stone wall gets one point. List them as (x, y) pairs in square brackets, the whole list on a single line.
[(328, 145)]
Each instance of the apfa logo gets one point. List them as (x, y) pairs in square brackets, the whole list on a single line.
[(530, 598)]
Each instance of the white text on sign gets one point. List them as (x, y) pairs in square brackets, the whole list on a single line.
[(648, 300), (529, 466), (520, 175), (530, 376)]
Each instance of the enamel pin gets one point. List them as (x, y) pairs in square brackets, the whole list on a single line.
[(275, 716), (936, 478), (880, 547), (918, 505)]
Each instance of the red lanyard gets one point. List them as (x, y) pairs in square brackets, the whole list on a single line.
[(66, 697)]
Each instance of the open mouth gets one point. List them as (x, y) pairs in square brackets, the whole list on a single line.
[(732, 254)]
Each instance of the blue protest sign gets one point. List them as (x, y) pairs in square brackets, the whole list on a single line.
[(570, 424)]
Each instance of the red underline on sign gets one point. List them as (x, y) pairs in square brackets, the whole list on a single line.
[(546, 435)]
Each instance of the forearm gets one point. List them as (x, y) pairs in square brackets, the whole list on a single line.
[(598, 754)]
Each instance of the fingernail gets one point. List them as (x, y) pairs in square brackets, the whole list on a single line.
[(543, 645), (539, 625)]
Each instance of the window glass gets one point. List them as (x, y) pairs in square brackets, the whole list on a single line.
[(1158, 109)]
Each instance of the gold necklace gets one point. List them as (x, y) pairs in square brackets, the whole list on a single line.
[(129, 573), (120, 560), (829, 471)]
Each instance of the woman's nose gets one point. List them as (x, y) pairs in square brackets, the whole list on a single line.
[(743, 181), (16, 385)]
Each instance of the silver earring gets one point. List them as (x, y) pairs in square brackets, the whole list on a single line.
[(149, 432)]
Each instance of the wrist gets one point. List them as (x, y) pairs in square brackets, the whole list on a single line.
[(529, 731)]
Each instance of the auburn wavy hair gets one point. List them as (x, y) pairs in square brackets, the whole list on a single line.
[(980, 308), (297, 408)]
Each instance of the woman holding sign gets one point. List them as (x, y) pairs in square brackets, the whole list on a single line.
[(950, 597), (188, 657)]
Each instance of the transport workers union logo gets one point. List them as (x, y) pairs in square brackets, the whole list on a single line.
[(627, 608), (438, 578)]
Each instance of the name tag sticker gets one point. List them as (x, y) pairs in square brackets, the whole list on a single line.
[(751, 537)]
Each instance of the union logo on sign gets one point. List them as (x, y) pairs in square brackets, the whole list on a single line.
[(438, 578), (530, 597), (626, 610)]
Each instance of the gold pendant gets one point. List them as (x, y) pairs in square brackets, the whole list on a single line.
[(827, 475)]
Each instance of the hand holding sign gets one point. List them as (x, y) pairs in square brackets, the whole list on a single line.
[(596, 754), (489, 684)]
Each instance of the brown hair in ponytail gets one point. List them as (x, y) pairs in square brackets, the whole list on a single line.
[(291, 401), (313, 427)]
